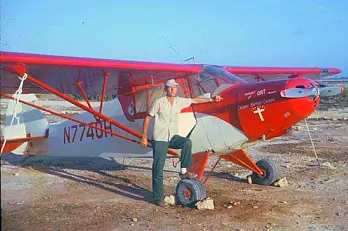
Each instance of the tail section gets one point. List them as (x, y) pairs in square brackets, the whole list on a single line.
[(28, 124)]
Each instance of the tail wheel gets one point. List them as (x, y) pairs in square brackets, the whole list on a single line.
[(189, 191), (270, 173)]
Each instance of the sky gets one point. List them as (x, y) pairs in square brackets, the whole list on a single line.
[(311, 33)]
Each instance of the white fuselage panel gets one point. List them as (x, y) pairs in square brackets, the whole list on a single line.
[(71, 139)]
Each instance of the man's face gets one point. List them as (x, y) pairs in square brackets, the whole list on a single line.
[(171, 91)]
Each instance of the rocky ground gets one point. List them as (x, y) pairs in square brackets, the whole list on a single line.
[(101, 194)]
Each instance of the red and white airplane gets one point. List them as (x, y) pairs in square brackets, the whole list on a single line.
[(260, 103)]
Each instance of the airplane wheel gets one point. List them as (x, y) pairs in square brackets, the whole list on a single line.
[(270, 171), (189, 191)]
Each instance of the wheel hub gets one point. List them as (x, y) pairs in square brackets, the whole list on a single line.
[(263, 175), (187, 194)]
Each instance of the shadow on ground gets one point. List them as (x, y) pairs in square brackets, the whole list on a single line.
[(77, 163), (58, 166), (123, 186), (228, 176)]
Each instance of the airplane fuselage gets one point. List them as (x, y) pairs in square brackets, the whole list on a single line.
[(248, 113)]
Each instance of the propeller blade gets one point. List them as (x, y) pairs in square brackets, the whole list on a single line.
[(330, 91), (299, 92)]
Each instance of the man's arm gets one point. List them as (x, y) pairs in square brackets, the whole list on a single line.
[(151, 113), (205, 100), (144, 140)]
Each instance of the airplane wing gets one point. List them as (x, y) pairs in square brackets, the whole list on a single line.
[(256, 74), (62, 73)]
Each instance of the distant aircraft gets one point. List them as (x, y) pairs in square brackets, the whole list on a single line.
[(260, 103)]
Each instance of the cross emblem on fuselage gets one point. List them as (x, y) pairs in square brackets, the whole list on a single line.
[(259, 111)]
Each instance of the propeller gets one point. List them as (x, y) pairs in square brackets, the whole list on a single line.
[(316, 91), (330, 91)]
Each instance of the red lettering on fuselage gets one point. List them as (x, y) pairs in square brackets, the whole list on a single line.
[(67, 135), (82, 131)]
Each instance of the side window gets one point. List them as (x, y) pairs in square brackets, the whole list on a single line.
[(145, 97), (201, 86)]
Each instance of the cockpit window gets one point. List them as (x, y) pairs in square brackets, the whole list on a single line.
[(218, 72), (213, 80)]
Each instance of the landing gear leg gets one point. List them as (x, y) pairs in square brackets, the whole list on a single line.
[(270, 173), (265, 172)]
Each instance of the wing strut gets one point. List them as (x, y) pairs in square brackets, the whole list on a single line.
[(106, 76), (71, 118), (20, 70), (79, 85)]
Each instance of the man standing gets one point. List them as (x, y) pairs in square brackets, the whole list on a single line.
[(166, 111)]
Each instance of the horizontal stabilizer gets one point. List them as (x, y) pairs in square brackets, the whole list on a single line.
[(12, 144)]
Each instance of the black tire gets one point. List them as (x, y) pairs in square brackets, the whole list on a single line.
[(203, 190), (196, 189), (270, 173)]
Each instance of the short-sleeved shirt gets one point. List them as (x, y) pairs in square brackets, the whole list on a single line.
[(166, 117)]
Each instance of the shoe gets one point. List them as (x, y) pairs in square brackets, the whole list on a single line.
[(160, 203), (188, 175)]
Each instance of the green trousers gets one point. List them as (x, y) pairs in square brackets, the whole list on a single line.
[(159, 157)]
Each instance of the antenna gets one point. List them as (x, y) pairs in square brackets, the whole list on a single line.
[(191, 58), (171, 46), (177, 53)]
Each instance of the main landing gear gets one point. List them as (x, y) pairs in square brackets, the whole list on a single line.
[(189, 191), (269, 173), (265, 172)]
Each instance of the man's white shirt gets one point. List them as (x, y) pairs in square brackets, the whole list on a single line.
[(166, 117)]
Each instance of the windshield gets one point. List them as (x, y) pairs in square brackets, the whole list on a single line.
[(213, 80), (217, 72)]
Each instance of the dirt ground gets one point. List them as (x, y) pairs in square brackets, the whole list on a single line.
[(44, 193)]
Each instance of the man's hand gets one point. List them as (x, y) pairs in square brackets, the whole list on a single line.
[(217, 98), (144, 141)]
